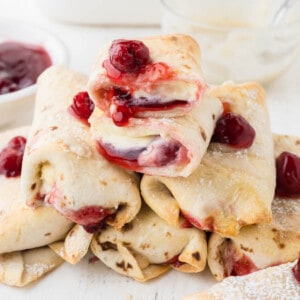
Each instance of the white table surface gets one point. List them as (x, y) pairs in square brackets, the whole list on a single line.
[(95, 281)]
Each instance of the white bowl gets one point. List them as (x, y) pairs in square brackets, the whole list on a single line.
[(239, 41), (16, 108)]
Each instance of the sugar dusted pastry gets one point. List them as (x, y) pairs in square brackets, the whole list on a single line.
[(148, 247), (20, 268), (273, 283), (166, 147), (22, 227), (234, 184), (263, 245), (25, 232), (153, 77), (61, 164)]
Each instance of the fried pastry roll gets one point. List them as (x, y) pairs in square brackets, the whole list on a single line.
[(62, 166), (234, 184), (148, 247)]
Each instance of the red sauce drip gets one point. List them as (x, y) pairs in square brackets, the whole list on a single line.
[(207, 224), (174, 261), (232, 129), (296, 271), (288, 175), (243, 266), (129, 164), (20, 65), (11, 157), (82, 107), (92, 218)]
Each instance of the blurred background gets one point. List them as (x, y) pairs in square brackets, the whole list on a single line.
[(240, 40)]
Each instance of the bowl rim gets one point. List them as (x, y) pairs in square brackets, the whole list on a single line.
[(167, 7), (63, 51)]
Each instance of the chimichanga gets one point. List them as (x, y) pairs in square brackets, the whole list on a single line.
[(166, 147), (153, 77), (263, 245), (148, 247), (234, 184), (273, 283), (61, 164), (25, 232)]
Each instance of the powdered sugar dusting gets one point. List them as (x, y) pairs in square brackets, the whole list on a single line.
[(268, 284)]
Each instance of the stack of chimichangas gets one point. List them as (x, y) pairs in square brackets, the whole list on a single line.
[(149, 167)]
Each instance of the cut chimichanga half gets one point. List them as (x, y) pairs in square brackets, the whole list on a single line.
[(273, 283), (152, 77), (61, 164), (234, 184), (263, 245), (166, 147), (148, 247)]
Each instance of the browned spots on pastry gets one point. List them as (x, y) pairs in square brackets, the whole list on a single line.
[(166, 254), (297, 142), (187, 67), (53, 128), (246, 248), (173, 38), (103, 182), (61, 177), (126, 244), (168, 234), (154, 224), (145, 246), (196, 255), (213, 116), (256, 238), (279, 238), (47, 234), (127, 227), (203, 134), (33, 186), (108, 246), (123, 265)]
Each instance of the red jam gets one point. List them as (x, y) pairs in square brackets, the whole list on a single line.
[(242, 266), (235, 131), (20, 65), (207, 224), (92, 218), (11, 157), (82, 107), (296, 271), (288, 175), (174, 261)]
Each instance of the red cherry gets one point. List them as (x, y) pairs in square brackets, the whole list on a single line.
[(232, 129), (128, 56), (11, 157), (82, 105), (122, 115), (288, 175), (296, 271)]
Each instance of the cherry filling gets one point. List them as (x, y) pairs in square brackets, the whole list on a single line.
[(175, 262), (157, 154), (236, 264), (296, 271), (11, 157), (20, 65), (128, 56), (232, 129), (288, 175), (82, 106), (207, 224), (92, 218)]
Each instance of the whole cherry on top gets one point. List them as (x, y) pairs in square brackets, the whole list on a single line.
[(128, 56)]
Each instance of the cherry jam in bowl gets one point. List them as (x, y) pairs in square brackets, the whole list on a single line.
[(26, 50)]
